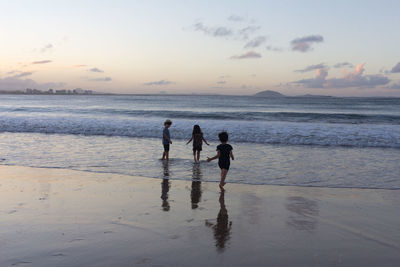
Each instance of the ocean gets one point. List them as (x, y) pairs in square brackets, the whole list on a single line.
[(300, 141)]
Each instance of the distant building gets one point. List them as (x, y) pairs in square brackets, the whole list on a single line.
[(78, 91), (61, 92)]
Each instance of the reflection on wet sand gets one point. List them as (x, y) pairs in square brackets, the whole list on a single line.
[(195, 193), (222, 227), (165, 169), (165, 185), (304, 212)]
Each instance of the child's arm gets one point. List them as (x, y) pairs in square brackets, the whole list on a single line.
[(205, 140), (215, 157), (191, 138), (166, 137), (231, 155)]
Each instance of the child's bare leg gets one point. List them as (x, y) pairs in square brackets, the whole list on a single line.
[(224, 172), (194, 155), (198, 156), (163, 155), (167, 155)]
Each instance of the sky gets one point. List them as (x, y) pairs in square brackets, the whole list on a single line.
[(338, 48)]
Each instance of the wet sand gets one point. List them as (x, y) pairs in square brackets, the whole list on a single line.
[(55, 217)]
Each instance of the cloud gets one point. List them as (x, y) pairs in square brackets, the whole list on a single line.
[(396, 69), (22, 74), (17, 84), (304, 44), (317, 82), (343, 64), (356, 79), (244, 33), (236, 18), (250, 54), (256, 42), (221, 82), (46, 48), (161, 82), (312, 67), (353, 79), (226, 32), (79, 66), (394, 86), (42, 62), (213, 31), (274, 48), (95, 70), (105, 79)]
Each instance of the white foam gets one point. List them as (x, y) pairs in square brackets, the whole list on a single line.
[(290, 133)]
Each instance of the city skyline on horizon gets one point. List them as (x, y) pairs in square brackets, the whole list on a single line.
[(229, 47)]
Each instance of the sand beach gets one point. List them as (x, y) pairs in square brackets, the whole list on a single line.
[(58, 217)]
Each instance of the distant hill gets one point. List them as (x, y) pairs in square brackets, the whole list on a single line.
[(268, 93)]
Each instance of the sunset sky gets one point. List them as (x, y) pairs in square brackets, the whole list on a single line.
[(341, 48)]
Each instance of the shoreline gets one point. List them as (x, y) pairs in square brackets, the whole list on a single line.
[(191, 180), (73, 218)]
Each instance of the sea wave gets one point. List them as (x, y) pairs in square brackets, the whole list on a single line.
[(269, 132), (323, 117)]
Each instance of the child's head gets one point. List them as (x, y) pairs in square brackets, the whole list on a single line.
[(167, 123), (196, 129), (223, 137)]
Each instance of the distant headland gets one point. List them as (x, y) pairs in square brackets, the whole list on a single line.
[(268, 93), (275, 94), (80, 91)]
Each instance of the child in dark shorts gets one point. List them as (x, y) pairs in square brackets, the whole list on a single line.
[(166, 140), (224, 153), (198, 138)]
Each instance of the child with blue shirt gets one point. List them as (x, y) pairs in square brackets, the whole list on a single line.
[(166, 139)]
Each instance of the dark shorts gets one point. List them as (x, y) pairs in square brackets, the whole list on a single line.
[(166, 147), (197, 148), (224, 165)]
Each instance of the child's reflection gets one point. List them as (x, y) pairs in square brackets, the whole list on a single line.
[(165, 184), (222, 227), (195, 193)]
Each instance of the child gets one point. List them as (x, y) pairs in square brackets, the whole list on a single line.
[(166, 139), (224, 151), (198, 138)]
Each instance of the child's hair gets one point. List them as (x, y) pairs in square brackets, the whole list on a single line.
[(196, 129), (167, 122), (223, 136)]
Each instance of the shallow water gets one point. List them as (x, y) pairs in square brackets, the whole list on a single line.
[(254, 163), (324, 142)]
